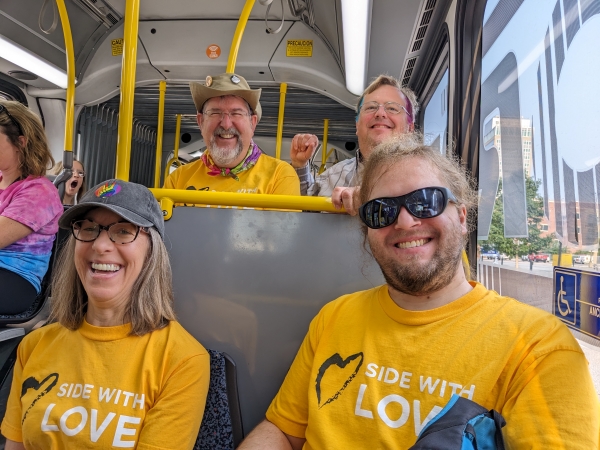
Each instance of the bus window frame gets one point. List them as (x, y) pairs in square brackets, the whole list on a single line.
[(466, 82), (442, 64)]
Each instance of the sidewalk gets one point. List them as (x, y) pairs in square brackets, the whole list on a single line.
[(592, 354)]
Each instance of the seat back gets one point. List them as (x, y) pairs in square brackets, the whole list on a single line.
[(59, 239), (40, 300), (221, 427)]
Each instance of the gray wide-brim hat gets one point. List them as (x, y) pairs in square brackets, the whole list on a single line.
[(133, 202), (225, 84)]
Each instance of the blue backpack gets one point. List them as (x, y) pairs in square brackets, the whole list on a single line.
[(462, 425)]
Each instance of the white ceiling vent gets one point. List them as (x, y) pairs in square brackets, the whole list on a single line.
[(416, 42)]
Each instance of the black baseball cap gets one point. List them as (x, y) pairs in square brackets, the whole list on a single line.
[(133, 202)]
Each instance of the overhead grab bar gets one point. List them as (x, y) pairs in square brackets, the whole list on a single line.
[(237, 36)]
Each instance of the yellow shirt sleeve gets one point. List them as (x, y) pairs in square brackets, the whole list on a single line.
[(11, 424), (286, 180), (547, 408), (174, 420)]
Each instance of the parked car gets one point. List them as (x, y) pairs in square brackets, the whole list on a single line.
[(581, 259), (541, 257)]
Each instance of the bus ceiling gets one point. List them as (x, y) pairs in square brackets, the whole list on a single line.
[(186, 40)]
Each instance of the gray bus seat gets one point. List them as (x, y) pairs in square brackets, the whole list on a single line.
[(248, 283), (221, 427)]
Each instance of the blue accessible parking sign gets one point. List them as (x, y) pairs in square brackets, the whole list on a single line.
[(577, 299)]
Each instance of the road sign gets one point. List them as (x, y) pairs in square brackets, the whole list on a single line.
[(577, 299)]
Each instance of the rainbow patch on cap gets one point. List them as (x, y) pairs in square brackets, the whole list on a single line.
[(108, 190)]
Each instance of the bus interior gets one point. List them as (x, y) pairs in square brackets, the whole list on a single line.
[(508, 86)]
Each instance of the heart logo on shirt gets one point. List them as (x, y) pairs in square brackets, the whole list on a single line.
[(335, 374), (32, 383)]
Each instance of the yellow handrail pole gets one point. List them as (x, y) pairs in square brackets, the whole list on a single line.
[(282, 92), (324, 154), (272, 201), (70, 107), (132, 15), (162, 87), (175, 147), (237, 36)]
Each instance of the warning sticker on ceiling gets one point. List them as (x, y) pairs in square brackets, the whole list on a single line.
[(299, 48), (117, 46), (213, 51)]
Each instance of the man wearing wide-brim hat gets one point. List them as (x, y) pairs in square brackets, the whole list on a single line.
[(228, 111)]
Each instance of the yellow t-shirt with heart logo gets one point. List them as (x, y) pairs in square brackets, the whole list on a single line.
[(371, 375), (98, 387)]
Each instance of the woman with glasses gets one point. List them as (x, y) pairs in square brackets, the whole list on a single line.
[(115, 369), (75, 186), (29, 207)]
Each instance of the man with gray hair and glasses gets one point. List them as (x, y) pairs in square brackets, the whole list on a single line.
[(385, 109)]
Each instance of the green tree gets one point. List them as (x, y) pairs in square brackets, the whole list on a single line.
[(535, 212)]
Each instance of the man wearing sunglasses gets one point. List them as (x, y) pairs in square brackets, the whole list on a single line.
[(377, 366), (386, 109)]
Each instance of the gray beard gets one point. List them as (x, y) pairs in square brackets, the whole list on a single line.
[(225, 156), (412, 277)]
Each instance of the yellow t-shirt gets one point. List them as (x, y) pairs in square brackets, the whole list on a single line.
[(268, 176), (98, 387), (371, 375)]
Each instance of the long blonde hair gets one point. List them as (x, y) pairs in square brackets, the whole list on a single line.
[(35, 156), (150, 306)]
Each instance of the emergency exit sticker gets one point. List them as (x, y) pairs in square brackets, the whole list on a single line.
[(299, 48), (117, 46)]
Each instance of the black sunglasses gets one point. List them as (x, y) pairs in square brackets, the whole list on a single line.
[(12, 119), (424, 203)]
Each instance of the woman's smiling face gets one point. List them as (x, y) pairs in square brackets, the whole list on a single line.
[(107, 270)]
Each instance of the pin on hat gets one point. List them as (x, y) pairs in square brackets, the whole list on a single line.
[(132, 201), (225, 84)]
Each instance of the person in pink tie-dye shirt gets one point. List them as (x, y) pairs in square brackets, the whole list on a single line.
[(29, 207)]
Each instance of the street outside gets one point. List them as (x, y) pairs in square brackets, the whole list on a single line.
[(539, 268), (545, 269)]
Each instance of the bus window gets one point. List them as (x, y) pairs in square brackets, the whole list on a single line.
[(539, 164), (435, 124)]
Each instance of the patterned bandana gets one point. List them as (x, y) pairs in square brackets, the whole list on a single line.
[(249, 161)]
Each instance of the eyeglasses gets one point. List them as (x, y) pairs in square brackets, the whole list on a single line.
[(424, 203), (389, 107), (12, 119), (79, 173), (233, 115), (119, 232)]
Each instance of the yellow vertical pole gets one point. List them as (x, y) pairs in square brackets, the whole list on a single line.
[(324, 154), (177, 131), (162, 87), (70, 107), (282, 92), (237, 36), (175, 157), (132, 15)]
